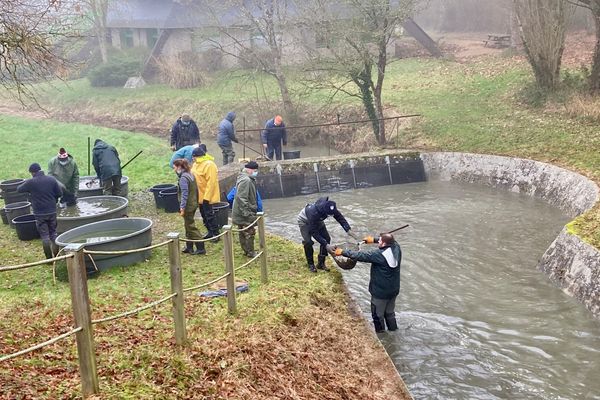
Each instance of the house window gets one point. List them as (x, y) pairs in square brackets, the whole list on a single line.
[(151, 37), (126, 38)]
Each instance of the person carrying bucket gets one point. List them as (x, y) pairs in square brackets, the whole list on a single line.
[(384, 284), (310, 221), (44, 191), (64, 168), (187, 193), (273, 136)]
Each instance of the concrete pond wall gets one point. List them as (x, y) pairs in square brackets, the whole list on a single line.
[(571, 264)]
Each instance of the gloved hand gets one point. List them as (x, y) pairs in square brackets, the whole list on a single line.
[(181, 212), (330, 248), (338, 251), (346, 227), (369, 239)]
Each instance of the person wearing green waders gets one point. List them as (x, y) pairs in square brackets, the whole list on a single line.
[(187, 194), (108, 167)]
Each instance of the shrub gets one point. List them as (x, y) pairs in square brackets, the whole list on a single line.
[(118, 69), (182, 71)]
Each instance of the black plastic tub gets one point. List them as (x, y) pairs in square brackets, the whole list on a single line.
[(14, 197), (17, 209), (291, 155), (156, 189), (168, 200), (26, 227), (3, 216), (10, 185), (221, 210)]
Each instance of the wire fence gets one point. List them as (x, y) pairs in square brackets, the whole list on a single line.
[(80, 303)]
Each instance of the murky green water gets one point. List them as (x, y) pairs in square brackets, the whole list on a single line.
[(102, 236), (477, 320), (90, 206)]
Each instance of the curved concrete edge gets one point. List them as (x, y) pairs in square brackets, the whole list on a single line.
[(569, 191), (574, 266), (570, 263)]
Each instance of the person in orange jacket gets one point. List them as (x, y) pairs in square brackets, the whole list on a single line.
[(206, 173)]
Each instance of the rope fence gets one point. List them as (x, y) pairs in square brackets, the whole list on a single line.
[(80, 302), (206, 240)]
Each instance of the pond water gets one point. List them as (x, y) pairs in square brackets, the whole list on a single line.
[(102, 236), (87, 206), (476, 319)]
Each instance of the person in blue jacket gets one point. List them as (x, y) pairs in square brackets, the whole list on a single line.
[(44, 191), (384, 284), (231, 196), (273, 136), (310, 221), (185, 152), (225, 136)]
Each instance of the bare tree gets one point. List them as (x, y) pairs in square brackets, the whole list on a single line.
[(594, 7), (97, 10), (350, 50), (542, 24), (28, 31), (255, 37)]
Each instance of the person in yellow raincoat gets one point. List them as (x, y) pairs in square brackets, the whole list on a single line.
[(206, 173)]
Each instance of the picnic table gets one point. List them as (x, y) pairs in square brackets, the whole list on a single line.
[(497, 40)]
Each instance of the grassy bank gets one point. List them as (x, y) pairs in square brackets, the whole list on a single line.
[(291, 336)]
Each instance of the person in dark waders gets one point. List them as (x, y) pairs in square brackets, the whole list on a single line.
[(44, 191), (310, 221), (184, 132), (384, 284), (187, 193), (273, 136)]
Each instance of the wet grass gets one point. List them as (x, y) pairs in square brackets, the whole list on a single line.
[(291, 335)]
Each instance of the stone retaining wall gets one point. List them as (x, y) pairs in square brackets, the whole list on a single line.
[(571, 264)]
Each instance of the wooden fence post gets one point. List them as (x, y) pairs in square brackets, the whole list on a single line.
[(264, 278), (82, 317), (228, 254), (177, 287)]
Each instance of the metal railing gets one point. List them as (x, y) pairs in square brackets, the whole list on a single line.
[(80, 303)]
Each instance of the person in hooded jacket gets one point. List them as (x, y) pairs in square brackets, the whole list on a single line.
[(184, 132), (206, 173), (108, 167), (310, 221), (64, 168), (273, 136), (184, 152), (187, 193), (384, 284), (44, 191), (245, 207), (225, 136)]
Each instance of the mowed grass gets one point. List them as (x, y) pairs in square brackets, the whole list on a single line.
[(26, 141)]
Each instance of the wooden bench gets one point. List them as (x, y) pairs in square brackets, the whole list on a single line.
[(497, 40)]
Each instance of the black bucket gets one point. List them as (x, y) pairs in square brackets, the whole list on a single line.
[(221, 210), (168, 200), (26, 227), (10, 185), (14, 197), (291, 155), (3, 215), (17, 209), (156, 189)]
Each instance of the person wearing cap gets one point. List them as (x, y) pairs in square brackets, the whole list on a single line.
[(64, 168), (225, 136), (384, 284), (44, 191), (310, 221), (205, 172), (108, 167), (187, 193), (184, 132), (185, 152), (245, 207), (273, 136)]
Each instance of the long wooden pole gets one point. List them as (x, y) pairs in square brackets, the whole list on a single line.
[(264, 278), (229, 269), (177, 288), (82, 316)]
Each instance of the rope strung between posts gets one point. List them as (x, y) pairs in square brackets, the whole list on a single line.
[(98, 252), (33, 264), (207, 283), (249, 262), (39, 346), (136, 311), (248, 227), (204, 240)]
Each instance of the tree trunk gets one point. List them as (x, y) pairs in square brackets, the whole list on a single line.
[(378, 89), (365, 84), (99, 9), (595, 74), (286, 99)]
